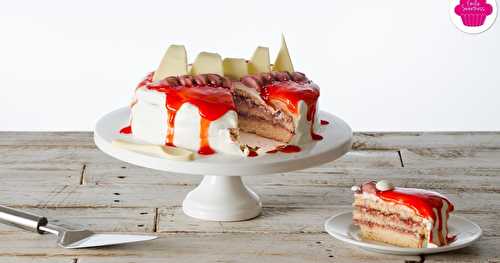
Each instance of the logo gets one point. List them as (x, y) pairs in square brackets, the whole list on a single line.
[(473, 16)]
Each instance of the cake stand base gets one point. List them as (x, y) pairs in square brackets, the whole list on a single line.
[(222, 198)]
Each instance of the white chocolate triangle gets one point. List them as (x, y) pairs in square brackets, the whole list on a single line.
[(235, 68), (174, 63), (283, 61), (206, 63), (260, 61)]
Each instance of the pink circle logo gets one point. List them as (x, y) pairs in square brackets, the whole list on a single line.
[(473, 16)]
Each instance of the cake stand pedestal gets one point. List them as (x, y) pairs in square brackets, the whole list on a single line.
[(221, 195), (222, 198)]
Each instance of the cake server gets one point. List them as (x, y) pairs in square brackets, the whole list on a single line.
[(66, 238)]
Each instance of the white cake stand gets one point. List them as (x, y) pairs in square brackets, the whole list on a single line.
[(221, 195)]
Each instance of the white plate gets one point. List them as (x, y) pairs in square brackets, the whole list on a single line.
[(340, 226)]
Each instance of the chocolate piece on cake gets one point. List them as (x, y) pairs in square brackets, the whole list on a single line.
[(405, 217)]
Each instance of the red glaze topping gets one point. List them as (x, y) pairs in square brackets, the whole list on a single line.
[(285, 149), (425, 203), (324, 122), (208, 92), (126, 130)]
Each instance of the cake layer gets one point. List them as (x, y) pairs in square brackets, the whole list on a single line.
[(390, 235), (264, 128), (368, 201), (389, 219)]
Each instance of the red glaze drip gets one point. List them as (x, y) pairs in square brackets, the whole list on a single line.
[(285, 149), (126, 130), (290, 93), (252, 153), (324, 122), (171, 125), (212, 103), (204, 145), (424, 203)]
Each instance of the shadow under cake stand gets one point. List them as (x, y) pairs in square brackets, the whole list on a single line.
[(222, 195)]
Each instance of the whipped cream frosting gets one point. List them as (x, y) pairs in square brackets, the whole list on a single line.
[(149, 121)]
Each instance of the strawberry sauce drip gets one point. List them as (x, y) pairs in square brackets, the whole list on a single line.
[(427, 204), (204, 145), (212, 103), (324, 122), (126, 130), (290, 93), (252, 153), (286, 149)]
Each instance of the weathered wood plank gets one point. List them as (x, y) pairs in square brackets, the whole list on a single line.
[(38, 259), (96, 219), (362, 140), (104, 174), (286, 220), (452, 158), (415, 140), (189, 247), (172, 195), (50, 154), (485, 250), (14, 138), (43, 174)]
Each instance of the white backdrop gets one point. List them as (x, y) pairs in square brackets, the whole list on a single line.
[(382, 65)]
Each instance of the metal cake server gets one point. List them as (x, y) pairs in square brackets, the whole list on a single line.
[(66, 238)]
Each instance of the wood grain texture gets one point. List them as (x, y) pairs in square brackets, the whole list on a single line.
[(208, 247), (100, 219), (64, 176), (439, 140)]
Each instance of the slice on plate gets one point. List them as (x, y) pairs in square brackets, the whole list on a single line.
[(405, 217)]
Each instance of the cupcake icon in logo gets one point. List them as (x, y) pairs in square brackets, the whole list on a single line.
[(473, 12), (473, 16)]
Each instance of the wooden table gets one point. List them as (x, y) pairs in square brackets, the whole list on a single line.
[(63, 175)]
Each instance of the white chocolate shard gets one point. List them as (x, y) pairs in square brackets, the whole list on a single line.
[(235, 68), (260, 61), (174, 63), (206, 63), (384, 185), (169, 152), (283, 61)]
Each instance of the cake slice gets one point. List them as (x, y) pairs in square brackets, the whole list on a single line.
[(405, 217)]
